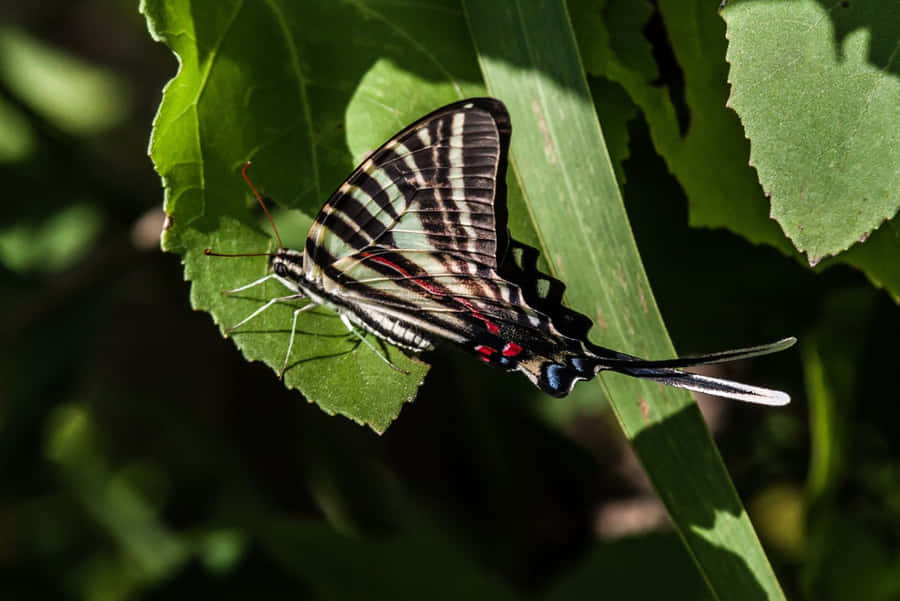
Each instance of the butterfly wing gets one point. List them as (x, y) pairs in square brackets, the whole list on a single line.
[(412, 240), (439, 296), (430, 188)]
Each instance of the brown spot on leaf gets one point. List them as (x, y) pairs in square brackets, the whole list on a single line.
[(645, 410), (619, 274), (560, 265), (627, 317), (549, 152)]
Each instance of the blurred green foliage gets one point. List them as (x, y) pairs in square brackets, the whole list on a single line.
[(141, 457)]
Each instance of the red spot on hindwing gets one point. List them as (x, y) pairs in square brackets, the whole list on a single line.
[(485, 352), (511, 349)]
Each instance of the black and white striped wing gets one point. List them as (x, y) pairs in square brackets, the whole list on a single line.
[(430, 188), (435, 295), (410, 241)]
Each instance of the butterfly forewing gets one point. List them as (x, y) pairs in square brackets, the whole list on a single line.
[(429, 188)]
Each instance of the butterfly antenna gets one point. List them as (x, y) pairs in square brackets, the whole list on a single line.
[(261, 203), (209, 253)]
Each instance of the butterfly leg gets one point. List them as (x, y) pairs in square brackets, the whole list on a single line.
[(287, 356), (266, 306), (285, 282), (362, 339)]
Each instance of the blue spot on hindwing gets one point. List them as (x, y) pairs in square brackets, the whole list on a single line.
[(583, 366), (557, 380)]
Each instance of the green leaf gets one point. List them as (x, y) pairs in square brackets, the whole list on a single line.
[(817, 91), (275, 82), (17, 137), (52, 245), (875, 258), (529, 58), (74, 445), (700, 139), (77, 97), (711, 157)]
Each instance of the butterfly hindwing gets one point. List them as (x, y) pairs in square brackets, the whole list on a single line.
[(441, 297)]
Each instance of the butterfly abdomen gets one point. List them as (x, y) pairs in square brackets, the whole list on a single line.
[(391, 330)]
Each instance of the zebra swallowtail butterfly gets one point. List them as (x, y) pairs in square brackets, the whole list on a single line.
[(413, 248)]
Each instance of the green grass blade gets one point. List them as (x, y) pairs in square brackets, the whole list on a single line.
[(529, 59)]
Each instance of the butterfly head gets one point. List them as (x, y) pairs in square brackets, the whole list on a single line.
[(287, 263)]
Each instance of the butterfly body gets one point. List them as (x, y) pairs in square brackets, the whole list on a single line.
[(288, 265), (413, 248)]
